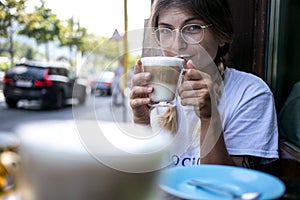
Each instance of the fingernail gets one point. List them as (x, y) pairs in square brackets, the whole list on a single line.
[(148, 100), (190, 61), (149, 89)]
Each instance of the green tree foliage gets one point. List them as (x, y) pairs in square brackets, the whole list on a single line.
[(22, 50), (11, 12), (5, 66), (72, 34), (42, 25), (101, 52)]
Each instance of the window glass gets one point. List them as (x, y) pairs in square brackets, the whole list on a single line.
[(288, 69)]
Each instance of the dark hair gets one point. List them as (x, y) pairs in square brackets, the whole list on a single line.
[(216, 12)]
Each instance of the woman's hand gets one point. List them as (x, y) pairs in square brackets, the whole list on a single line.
[(139, 99), (197, 90)]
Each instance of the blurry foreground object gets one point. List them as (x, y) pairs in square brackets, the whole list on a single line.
[(82, 160), (6, 182), (9, 162)]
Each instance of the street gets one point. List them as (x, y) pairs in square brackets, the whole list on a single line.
[(95, 107)]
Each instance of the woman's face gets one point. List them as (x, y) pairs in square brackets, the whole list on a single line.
[(201, 54)]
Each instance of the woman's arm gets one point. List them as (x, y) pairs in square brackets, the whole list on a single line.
[(212, 145), (198, 90), (214, 151)]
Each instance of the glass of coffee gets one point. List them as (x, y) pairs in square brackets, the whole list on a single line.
[(165, 79)]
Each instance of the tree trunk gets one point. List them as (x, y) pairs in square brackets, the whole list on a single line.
[(11, 48)]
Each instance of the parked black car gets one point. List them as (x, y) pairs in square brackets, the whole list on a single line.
[(48, 82)]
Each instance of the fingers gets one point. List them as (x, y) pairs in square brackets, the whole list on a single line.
[(195, 98), (139, 91), (190, 65), (195, 74), (196, 87), (190, 86), (138, 102), (140, 78), (139, 96), (194, 92), (138, 67)]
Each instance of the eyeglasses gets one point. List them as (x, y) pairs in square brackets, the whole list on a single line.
[(190, 33)]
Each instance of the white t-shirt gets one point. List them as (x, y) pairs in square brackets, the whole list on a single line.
[(249, 121)]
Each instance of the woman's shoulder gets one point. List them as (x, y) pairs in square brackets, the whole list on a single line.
[(237, 74), (237, 78)]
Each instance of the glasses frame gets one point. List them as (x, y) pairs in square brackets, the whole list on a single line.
[(156, 34)]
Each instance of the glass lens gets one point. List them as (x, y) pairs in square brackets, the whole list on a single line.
[(192, 33), (164, 36)]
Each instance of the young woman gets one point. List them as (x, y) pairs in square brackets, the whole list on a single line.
[(223, 116)]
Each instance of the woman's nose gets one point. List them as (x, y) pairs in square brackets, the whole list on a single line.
[(178, 42)]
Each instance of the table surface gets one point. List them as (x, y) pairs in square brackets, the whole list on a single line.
[(292, 191)]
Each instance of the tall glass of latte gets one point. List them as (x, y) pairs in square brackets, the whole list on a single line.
[(165, 78)]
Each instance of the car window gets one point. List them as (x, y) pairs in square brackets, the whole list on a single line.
[(28, 71), (53, 71), (58, 71), (63, 72)]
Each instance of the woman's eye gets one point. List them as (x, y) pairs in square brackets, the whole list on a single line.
[(192, 28), (165, 31)]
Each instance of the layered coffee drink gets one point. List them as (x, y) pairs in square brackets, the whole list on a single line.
[(165, 73)]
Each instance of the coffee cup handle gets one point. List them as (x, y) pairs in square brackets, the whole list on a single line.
[(183, 71), (161, 104)]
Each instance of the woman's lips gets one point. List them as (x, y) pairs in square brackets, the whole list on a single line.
[(185, 57)]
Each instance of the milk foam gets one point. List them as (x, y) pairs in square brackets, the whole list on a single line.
[(162, 61)]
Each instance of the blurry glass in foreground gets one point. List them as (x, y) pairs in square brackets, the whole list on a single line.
[(81, 160), (8, 163), (6, 182)]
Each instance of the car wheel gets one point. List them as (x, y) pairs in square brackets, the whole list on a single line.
[(104, 93), (60, 98), (12, 103)]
